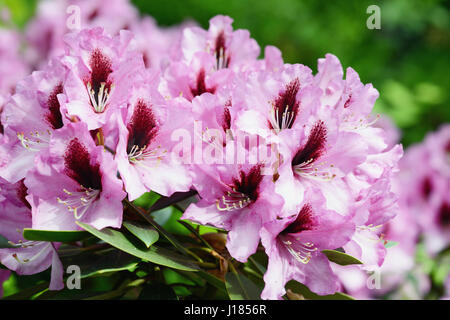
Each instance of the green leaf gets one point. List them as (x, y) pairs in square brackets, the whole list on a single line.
[(4, 243), (209, 278), (160, 229), (102, 262), (240, 287), (297, 287), (147, 200), (54, 236), (153, 254), (165, 202), (340, 257), (145, 233), (157, 291), (28, 292)]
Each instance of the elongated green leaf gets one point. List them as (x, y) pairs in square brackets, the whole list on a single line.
[(145, 233), (240, 287), (297, 287), (28, 292), (147, 200), (340, 257), (4, 243), (153, 254), (164, 202), (200, 276), (54, 236), (102, 262), (160, 229)]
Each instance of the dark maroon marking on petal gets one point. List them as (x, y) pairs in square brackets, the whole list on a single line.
[(447, 147), (427, 187), (444, 215), (285, 99), (201, 85), (220, 47), (146, 59), (47, 42), (54, 116), (101, 68), (93, 15), (226, 120), (22, 192), (304, 221), (348, 102), (314, 147), (248, 184), (94, 135), (77, 161), (142, 127)]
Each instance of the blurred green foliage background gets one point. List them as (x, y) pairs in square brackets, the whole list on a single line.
[(407, 60)]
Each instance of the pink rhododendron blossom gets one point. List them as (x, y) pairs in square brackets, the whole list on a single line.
[(294, 246), (238, 198), (25, 257), (81, 181), (159, 46), (12, 65), (230, 49), (209, 59), (30, 117), (427, 198), (277, 154), (55, 18), (144, 150), (100, 74)]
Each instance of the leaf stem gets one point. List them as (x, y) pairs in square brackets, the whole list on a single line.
[(172, 240)]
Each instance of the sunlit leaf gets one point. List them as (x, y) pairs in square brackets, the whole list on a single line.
[(4, 243), (153, 254), (145, 233), (54, 236), (102, 262), (340, 257)]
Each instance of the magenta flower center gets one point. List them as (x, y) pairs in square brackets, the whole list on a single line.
[(220, 52), (444, 215), (427, 187), (142, 130), (22, 192), (99, 86), (244, 191), (301, 251), (313, 148), (200, 85), (304, 221), (285, 107), (226, 120), (54, 117), (78, 166)]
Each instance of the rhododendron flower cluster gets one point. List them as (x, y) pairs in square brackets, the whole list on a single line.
[(282, 159), (422, 219)]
